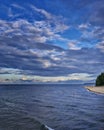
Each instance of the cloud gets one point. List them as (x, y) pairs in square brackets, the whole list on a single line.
[(42, 11), (18, 6), (97, 17), (9, 71), (90, 35), (73, 45), (100, 46), (83, 26), (56, 21), (76, 76), (46, 59), (38, 31), (38, 49), (39, 59), (95, 11), (15, 77), (88, 11)]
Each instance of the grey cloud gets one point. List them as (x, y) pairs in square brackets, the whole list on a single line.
[(91, 34), (100, 46), (97, 17), (86, 59), (99, 32), (17, 54), (39, 31), (26, 46), (41, 60), (95, 13)]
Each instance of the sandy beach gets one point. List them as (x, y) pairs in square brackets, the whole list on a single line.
[(98, 89)]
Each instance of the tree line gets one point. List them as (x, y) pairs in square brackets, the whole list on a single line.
[(100, 80)]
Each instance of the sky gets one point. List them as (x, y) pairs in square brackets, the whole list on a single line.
[(51, 41)]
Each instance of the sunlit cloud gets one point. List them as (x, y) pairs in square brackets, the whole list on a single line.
[(17, 78)]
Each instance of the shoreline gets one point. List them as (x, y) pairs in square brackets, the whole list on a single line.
[(98, 89)]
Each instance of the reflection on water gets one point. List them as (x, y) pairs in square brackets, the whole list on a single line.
[(61, 107)]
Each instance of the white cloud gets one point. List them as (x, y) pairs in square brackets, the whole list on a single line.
[(42, 11), (74, 76), (43, 31), (46, 63), (9, 70), (83, 26), (58, 21), (39, 31), (19, 23), (18, 6), (40, 39), (74, 45)]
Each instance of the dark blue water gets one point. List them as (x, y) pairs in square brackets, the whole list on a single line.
[(61, 107)]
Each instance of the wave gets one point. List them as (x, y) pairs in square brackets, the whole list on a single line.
[(13, 116), (45, 127)]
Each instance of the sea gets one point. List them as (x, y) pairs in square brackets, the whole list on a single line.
[(50, 107)]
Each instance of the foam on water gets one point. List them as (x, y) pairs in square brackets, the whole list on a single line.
[(45, 127), (48, 127)]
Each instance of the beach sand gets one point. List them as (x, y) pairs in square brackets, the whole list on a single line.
[(98, 89)]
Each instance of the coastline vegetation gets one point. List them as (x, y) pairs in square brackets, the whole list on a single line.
[(100, 80), (99, 85)]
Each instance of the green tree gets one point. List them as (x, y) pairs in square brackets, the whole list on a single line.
[(100, 80)]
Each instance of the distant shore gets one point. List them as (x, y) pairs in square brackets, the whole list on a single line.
[(98, 89)]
